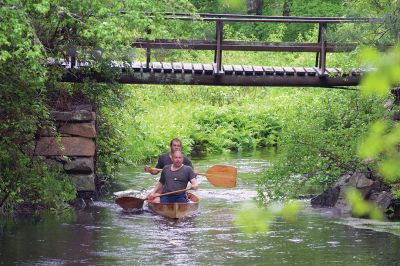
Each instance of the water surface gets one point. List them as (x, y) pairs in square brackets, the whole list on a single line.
[(105, 235)]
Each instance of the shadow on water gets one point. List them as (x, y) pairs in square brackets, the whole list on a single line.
[(105, 235)]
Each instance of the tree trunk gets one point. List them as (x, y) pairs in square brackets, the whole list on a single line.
[(3, 199), (396, 94), (286, 8), (254, 7)]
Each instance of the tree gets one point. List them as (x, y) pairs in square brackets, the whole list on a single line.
[(30, 33), (254, 7)]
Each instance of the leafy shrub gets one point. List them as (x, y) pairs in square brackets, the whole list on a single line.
[(319, 140), (31, 183), (231, 128)]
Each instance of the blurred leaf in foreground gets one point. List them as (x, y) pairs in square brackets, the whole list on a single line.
[(386, 74), (252, 218), (290, 211), (360, 207), (383, 139)]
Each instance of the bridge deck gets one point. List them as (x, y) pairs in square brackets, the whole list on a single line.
[(207, 74), (217, 73)]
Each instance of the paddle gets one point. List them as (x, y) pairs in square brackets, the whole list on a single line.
[(220, 175), (130, 202)]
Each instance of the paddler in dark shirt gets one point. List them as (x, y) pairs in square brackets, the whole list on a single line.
[(174, 177), (166, 158)]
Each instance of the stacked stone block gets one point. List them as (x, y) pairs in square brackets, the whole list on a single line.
[(72, 146)]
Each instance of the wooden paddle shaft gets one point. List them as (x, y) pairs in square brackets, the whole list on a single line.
[(176, 191)]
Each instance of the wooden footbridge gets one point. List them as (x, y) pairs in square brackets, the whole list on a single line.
[(216, 73)]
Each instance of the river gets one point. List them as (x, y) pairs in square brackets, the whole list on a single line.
[(105, 235)]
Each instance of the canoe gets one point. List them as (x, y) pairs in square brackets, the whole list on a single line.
[(176, 210)]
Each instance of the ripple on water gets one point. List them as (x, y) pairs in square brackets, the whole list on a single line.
[(295, 240), (231, 195), (224, 236), (316, 246), (378, 226), (251, 166), (333, 243), (46, 262)]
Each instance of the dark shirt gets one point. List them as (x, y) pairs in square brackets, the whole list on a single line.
[(166, 160), (176, 180)]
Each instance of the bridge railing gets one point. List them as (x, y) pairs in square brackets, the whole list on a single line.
[(321, 47)]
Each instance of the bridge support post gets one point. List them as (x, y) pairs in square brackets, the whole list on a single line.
[(148, 54), (322, 43), (72, 53), (218, 52)]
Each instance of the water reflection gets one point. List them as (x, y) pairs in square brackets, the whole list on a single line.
[(33, 241)]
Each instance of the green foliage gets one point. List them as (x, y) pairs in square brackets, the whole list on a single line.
[(110, 100), (396, 191), (207, 120), (311, 9), (51, 190), (231, 128), (153, 116), (233, 6), (220, 6), (290, 211), (319, 140), (252, 218), (25, 179), (32, 31), (383, 139), (387, 73), (135, 124), (360, 207), (382, 142), (323, 145), (30, 183), (385, 33)]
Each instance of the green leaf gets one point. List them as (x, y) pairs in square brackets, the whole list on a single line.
[(290, 211), (373, 144), (369, 55), (375, 84), (250, 218), (390, 169), (360, 207), (43, 7)]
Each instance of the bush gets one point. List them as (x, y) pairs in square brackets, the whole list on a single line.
[(231, 128), (319, 140)]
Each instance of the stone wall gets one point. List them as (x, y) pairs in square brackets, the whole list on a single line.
[(71, 144)]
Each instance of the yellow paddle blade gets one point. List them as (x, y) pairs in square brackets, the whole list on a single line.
[(222, 175)]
